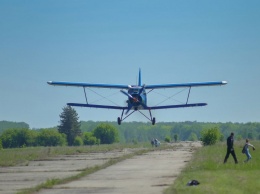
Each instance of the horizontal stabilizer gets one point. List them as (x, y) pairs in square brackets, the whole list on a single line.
[(176, 106), (97, 106)]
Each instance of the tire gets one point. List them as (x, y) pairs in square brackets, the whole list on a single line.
[(118, 121), (153, 121)]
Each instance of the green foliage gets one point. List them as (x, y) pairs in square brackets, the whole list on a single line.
[(175, 137), (221, 138), (193, 137), (167, 139), (210, 136), (89, 139), (69, 124), (107, 134), (1, 147), (78, 141), (13, 138), (239, 137), (51, 137)]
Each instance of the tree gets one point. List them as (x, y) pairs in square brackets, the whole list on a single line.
[(107, 134), (69, 124)]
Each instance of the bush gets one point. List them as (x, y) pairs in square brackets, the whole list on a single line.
[(51, 137), (89, 139), (15, 138), (167, 139), (210, 136), (78, 141), (107, 134)]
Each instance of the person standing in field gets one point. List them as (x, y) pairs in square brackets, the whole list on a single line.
[(246, 150), (230, 148)]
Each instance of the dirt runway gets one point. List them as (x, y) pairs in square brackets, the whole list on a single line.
[(148, 173)]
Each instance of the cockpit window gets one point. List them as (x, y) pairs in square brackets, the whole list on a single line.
[(134, 90)]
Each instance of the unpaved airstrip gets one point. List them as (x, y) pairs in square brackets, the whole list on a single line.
[(146, 174)]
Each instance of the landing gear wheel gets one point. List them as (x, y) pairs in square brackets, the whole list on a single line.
[(153, 121), (118, 121)]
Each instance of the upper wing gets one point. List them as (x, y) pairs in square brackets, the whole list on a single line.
[(198, 84), (120, 86), (117, 86)]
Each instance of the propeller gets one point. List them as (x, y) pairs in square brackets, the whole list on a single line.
[(135, 99)]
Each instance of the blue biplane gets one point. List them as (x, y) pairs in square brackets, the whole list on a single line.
[(137, 96)]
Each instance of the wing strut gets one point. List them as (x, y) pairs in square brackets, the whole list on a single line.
[(85, 95), (188, 96)]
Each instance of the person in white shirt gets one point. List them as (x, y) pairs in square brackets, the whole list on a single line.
[(246, 150)]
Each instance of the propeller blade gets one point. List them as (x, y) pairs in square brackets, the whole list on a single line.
[(125, 93)]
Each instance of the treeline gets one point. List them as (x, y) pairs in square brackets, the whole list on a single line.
[(143, 132), (96, 132), (17, 138)]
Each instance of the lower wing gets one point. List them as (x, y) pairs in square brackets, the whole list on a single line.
[(146, 108), (176, 106), (97, 106)]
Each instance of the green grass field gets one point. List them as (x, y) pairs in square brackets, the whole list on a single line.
[(215, 177)]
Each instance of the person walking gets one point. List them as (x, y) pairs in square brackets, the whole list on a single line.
[(246, 150), (230, 148)]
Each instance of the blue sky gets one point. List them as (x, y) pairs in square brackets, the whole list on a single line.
[(108, 41)]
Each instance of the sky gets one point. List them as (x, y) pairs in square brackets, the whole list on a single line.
[(171, 41)]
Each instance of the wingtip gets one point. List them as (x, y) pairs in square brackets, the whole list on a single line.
[(224, 82), (49, 82)]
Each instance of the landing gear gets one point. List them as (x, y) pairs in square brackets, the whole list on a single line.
[(118, 121), (153, 121)]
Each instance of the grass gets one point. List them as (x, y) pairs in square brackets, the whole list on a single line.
[(215, 177), (22, 156)]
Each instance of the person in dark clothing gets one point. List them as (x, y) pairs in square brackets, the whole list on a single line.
[(230, 148)]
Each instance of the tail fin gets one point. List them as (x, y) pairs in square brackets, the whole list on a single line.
[(140, 78)]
